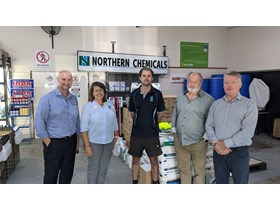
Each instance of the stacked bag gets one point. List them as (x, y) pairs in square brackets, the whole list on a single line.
[(210, 175), (168, 164)]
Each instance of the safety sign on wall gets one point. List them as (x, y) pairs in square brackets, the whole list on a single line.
[(76, 86), (43, 59), (50, 81)]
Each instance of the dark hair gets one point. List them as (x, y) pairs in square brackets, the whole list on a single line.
[(147, 69), (96, 84)]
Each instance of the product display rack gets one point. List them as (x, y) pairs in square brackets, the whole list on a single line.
[(9, 151), (119, 84), (21, 116)]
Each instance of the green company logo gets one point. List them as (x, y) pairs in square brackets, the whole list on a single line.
[(83, 60)]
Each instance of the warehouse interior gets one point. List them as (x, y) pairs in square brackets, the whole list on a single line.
[(248, 49)]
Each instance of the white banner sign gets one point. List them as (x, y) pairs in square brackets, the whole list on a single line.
[(121, 63)]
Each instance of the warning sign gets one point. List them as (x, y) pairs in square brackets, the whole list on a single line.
[(76, 86), (75, 79), (43, 59)]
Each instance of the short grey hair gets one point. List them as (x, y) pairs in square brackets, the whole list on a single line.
[(63, 71), (195, 73), (235, 74)]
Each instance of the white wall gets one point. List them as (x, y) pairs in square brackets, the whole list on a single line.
[(23, 42), (172, 36), (239, 48), (253, 48)]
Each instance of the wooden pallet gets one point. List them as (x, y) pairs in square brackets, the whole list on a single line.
[(276, 128), (257, 165)]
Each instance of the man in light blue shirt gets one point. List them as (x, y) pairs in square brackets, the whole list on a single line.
[(230, 126), (57, 123)]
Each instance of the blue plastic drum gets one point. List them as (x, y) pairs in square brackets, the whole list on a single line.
[(216, 87), (217, 76), (246, 81)]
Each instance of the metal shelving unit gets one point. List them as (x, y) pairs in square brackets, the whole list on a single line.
[(23, 119), (6, 166), (5, 67), (7, 118)]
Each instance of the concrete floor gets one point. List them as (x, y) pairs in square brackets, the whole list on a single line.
[(266, 149), (30, 168)]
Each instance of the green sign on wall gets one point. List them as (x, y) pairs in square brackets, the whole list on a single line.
[(194, 54)]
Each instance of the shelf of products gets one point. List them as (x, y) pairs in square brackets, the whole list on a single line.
[(21, 116), (9, 154)]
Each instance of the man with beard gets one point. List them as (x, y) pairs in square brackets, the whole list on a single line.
[(188, 119), (146, 107)]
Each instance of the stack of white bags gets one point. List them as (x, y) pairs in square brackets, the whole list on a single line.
[(168, 164)]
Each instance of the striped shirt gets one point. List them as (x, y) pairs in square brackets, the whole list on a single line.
[(233, 122), (189, 117)]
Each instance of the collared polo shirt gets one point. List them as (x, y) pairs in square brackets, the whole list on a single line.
[(145, 108)]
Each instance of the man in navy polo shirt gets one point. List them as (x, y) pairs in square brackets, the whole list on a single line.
[(146, 107)]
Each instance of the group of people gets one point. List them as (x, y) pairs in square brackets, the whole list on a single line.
[(58, 124), (227, 123)]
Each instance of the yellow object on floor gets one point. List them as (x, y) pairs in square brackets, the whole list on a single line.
[(164, 125)]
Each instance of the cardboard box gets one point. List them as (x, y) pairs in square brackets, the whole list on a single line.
[(145, 174), (169, 101)]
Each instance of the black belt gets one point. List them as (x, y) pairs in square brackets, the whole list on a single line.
[(64, 138), (238, 148)]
